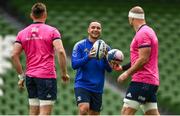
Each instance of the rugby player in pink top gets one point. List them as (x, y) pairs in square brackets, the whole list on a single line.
[(143, 67), (39, 42)]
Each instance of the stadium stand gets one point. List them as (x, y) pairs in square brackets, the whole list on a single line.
[(72, 19), (4, 50)]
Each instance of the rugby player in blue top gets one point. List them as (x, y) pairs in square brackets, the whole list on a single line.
[(89, 81)]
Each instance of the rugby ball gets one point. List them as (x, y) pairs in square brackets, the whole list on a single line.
[(115, 55), (100, 48)]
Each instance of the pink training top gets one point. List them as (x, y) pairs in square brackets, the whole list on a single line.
[(145, 37), (37, 42)]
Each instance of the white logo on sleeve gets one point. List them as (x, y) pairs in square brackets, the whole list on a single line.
[(79, 98)]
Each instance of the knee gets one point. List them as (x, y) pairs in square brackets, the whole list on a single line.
[(152, 112), (34, 110), (83, 109), (128, 111)]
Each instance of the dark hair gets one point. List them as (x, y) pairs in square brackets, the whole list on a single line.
[(38, 10)]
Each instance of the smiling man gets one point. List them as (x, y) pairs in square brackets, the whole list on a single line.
[(89, 80)]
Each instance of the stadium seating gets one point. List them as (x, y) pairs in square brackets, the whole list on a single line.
[(72, 20)]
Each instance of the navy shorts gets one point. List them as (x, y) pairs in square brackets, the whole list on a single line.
[(94, 99), (142, 92), (41, 88)]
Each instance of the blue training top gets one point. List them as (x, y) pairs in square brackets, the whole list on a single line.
[(90, 71)]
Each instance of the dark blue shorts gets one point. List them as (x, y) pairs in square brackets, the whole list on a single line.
[(41, 88), (142, 92), (94, 99)]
